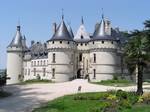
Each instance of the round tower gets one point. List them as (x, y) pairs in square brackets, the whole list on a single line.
[(15, 59), (61, 51), (104, 59)]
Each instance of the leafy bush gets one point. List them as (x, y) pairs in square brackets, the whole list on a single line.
[(121, 94), (112, 97), (115, 77), (124, 104)]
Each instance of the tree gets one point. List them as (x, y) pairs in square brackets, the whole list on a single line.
[(136, 55)]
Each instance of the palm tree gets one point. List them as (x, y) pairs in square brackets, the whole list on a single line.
[(135, 55)]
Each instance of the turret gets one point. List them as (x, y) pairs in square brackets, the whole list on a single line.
[(15, 58), (61, 48)]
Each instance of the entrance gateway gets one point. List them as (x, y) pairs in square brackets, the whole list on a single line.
[(79, 74)]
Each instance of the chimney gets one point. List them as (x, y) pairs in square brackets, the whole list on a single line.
[(96, 25), (54, 27), (32, 42)]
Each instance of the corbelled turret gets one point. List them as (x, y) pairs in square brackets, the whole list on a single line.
[(15, 58)]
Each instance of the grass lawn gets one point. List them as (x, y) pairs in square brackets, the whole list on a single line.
[(4, 94), (117, 83), (91, 102), (36, 81)]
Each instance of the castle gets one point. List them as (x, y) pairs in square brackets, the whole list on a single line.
[(66, 56)]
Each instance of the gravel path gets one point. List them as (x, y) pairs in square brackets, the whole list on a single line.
[(27, 97)]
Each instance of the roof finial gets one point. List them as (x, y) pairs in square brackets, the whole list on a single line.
[(102, 13), (18, 26), (82, 21), (62, 14)]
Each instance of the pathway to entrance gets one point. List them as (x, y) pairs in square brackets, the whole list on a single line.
[(27, 97)]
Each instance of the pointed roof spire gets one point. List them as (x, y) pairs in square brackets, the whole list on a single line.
[(62, 14), (17, 40), (82, 21), (62, 32)]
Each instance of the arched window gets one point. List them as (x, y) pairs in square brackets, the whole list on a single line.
[(53, 73), (41, 62), (94, 73), (44, 62), (34, 63), (81, 36), (94, 58), (102, 42), (53, 58), (80, 57)]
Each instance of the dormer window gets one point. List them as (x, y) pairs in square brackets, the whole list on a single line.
[(81, 37), (102, 42), (52, 42), (60, 42)]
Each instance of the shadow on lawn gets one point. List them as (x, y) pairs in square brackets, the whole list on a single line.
[(23, 99)]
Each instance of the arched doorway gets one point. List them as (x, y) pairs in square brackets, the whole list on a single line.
[(79, 73)]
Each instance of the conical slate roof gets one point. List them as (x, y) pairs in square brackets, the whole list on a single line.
[(100, 33), (70, 31), (17, 40), (61, 32), (82, 35)]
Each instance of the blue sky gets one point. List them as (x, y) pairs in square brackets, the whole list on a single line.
[(36, 17)]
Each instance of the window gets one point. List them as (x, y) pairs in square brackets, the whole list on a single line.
[(44, 71), (111, 42), (54, 56), (61, 42), (102, 42), (52, 42), (68, 42), (81, 44), (93, 42), (77, 44), (81, 37), (34, 71), (44, 63), (85, 44), (94, 75), (53, 73), (38, 63), (34, 63), (41, 62), (80, 57), (94, 58)]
